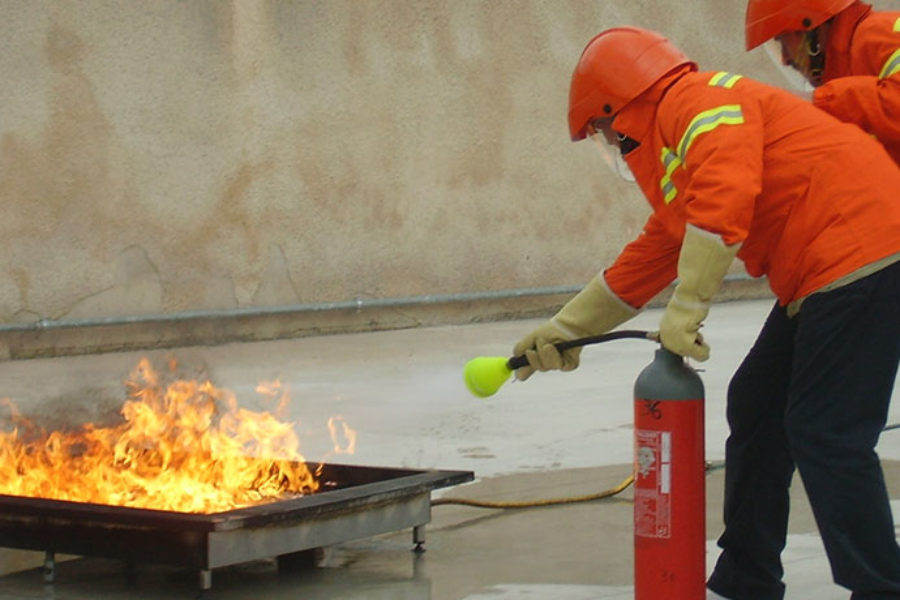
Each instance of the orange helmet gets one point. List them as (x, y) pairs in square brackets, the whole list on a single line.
[(768, 18), (616, 67)]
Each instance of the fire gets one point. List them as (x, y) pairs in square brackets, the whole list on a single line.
[(185, 446)]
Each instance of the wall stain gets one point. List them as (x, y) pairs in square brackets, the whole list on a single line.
[(57, 188)]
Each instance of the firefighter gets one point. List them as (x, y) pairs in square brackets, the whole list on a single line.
[(849, 56), (735, 168), (849, 53)]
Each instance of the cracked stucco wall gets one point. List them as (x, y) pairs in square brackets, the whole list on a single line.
[(168, 156)]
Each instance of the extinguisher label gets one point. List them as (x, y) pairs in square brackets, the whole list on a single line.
[(653, 484)]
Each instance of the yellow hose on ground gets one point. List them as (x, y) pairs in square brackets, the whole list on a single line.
[(710, 466), (535, 503)]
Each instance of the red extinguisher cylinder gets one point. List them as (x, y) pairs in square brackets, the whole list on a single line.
[(669, 481)]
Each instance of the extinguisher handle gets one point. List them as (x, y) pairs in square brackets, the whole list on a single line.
[(517, 362)]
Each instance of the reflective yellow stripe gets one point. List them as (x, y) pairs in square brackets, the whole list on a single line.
[(724, 79), (891, 67), (671, 162), (729, 114), (897, 25)]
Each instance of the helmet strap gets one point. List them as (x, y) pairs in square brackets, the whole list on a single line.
[(626, 144), (816, 57)]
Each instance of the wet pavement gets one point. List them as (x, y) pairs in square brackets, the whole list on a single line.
[(558, 435)]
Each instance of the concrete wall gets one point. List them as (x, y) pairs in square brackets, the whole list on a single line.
[(209, 157)]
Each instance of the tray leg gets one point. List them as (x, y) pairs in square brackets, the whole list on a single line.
[(419, 538), (205, 579), (49, 568)]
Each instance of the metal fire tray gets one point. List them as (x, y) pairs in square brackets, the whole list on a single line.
[(354, 502)]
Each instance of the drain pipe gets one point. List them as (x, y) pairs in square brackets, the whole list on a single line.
[(357, 304)]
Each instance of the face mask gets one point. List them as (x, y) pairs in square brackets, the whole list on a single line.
[(612, 146), (644, 164)]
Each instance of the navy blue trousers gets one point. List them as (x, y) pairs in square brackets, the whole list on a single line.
[(813, 395)]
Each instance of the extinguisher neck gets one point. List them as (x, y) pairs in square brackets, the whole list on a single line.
[(668, 377), (665, 355)]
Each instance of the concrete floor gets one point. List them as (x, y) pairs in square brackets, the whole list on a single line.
[(556, 435)]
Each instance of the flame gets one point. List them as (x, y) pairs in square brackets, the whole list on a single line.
[(343, 441), (185, 446)]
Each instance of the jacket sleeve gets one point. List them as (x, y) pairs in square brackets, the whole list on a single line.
[(867, 101), (645, 266)]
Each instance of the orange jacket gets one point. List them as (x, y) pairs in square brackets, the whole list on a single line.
[(810, 198), (862, 73)]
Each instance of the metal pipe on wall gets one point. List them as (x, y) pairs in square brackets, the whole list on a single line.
[(357, 304)]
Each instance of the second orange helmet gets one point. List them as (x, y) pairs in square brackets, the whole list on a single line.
[(767, 18)]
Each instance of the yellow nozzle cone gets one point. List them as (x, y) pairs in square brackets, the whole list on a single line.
[(485, 374)]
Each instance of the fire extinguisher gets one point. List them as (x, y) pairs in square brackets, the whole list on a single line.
[(669, 481), (669, 465)]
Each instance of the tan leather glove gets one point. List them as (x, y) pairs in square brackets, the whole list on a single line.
[(594, 310), (702, 265)]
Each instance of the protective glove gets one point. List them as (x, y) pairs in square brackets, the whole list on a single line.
[(594, 310), (702, 265)]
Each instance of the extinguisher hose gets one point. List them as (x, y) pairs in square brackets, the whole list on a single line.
[(517, 362)]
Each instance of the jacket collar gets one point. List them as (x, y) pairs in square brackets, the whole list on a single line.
[(637, 117), (840, 37)]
